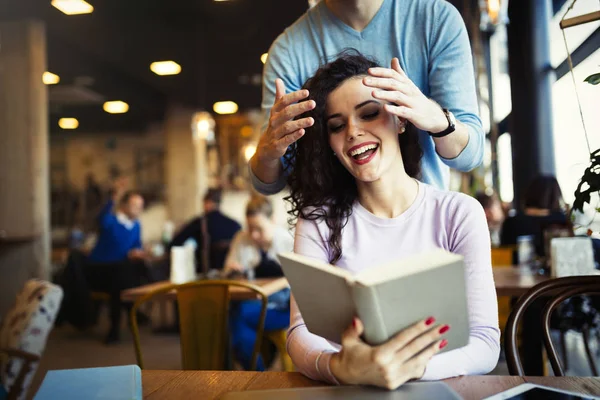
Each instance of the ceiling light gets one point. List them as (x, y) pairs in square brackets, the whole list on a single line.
[(73, 7), (165, 68), (50, 79), (263, 58), (225, 107), (116, 107), (68, 123)]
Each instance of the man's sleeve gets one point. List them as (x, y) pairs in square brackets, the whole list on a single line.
[(452, 82)]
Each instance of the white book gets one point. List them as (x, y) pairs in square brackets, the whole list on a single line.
[(387, 298)]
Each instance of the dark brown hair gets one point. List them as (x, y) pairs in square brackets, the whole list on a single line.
[(214, 195), (320, 186), (544, 193)]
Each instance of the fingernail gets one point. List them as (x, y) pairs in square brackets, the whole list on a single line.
[(444, 329), (354, 323), (429, 321), (443, 343)]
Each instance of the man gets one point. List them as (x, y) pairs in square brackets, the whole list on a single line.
[(212, 232), (435, 86), (117, 260)]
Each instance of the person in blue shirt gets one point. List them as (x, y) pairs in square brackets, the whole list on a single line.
[(117, 260), (430, 82), (212, 232)]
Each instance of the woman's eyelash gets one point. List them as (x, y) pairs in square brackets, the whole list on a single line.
[(335, 128), (338, 128), (371, 115)]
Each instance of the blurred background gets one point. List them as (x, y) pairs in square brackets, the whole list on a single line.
[(167, 94)]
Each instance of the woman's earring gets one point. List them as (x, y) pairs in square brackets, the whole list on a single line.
[(335, 155), (402, 129)]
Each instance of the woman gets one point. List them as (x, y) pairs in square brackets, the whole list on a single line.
[(253, 252), (543, 207), (359, 204)]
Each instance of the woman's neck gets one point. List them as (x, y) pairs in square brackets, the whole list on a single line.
[(355, 13), (389, 196)]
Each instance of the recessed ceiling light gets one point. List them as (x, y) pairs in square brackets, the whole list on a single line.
[(165, 67), (225, 107), (263, 58), (50, 79), (73, 7), (68, 123), (116, 107)]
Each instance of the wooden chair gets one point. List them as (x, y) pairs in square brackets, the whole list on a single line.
[(279, 338), (203, 322), (556, 290), (502, 257)]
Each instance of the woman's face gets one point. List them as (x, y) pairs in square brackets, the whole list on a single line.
[(260, 228), (362, 134)]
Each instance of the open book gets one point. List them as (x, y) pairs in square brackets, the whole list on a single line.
[(387, 298)]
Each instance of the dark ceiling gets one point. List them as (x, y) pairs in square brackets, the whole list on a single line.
[(106, 55)]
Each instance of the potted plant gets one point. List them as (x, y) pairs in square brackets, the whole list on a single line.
[(590, 181)]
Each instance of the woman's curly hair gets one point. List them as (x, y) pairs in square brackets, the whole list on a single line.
[(320, 186)]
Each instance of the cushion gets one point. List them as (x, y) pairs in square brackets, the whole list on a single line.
[(26, 327)]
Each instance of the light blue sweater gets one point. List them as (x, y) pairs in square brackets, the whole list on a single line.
[(431, 42)]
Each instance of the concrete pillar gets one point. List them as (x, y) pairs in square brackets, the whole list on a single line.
[(531, 78), (186, 166), (24, 161)]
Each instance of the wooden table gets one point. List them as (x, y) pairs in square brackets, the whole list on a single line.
[(512, 281), (163, 385), (269, 285)]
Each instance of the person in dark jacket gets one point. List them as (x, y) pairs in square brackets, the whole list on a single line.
[(212, 232)]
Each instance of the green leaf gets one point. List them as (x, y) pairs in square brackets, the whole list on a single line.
[(593, 79)]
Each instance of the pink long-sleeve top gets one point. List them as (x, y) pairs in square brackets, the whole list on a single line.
[(448, 220)]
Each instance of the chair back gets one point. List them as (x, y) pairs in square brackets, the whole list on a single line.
[(203, 322), (502, 256), (556, 291), (23, 334)]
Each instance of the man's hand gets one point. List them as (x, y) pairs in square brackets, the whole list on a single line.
[(282, 131), (137, 254)]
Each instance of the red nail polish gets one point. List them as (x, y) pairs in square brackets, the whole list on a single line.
[(429, 321), (443, 343), (354, 323), (444, 329)]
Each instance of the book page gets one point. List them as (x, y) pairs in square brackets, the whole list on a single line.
[(434, 258)]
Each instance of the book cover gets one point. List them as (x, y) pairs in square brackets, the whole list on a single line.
[(386, 298), (114, 383)]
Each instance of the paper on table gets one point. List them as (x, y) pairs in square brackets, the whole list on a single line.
[(183, 268)]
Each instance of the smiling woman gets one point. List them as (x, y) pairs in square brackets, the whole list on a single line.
[(355, 193), (324, 172)]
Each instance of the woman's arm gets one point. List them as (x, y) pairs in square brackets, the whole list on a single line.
[(233, 261), (402, 358), (468, 236), (310, 353)]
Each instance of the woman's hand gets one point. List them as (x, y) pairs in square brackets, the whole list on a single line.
[(393, 86), (283, 130), (391, 364)]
